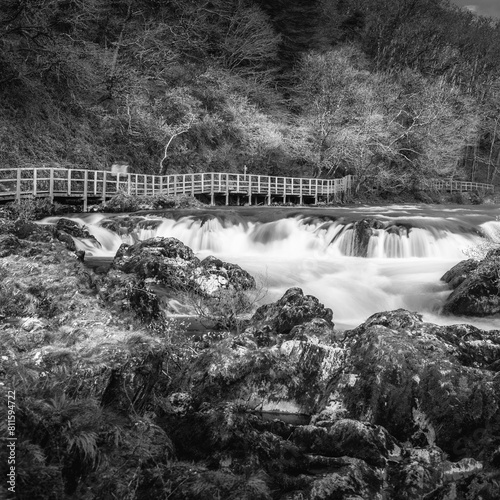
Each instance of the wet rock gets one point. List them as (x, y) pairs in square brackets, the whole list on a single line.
[(457, 274), (363, 231), (66, 230), (294, 308), (479, 293), (129, 224)]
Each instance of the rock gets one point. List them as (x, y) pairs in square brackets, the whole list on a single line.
[(67, 229), (169, 263), (293, 309), (234, 275), (362, 232), (346, 437), (423, 383), (457, 274), (6, 225), (9, 244), (27, 230), (479, 293)]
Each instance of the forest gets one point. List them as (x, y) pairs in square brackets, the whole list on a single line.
[(389, 90)]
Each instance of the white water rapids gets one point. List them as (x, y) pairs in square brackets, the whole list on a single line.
[(315, 250)]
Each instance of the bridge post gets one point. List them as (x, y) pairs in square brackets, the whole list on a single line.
[(212, 192), (85, 181), (117, 182), (269, 190), (250, 189), (69, 183), (300, 191), (316, 193), (51, 185), (18, 185), (129, 183), (34, 181), (284, 189), (104, 186), (227, 189)]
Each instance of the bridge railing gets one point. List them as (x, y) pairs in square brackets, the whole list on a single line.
[(55, 182), (450, 185)]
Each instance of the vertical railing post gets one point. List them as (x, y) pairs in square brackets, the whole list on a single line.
[(227, 189), (300, 193), (18, 185), (249, 189), (51, 185), (316, 193), (117, 189), (212, 192), (269, 191), (237, 183), (104, 175), (284, 189), (85, 181), (161, 184), (68, 180), (129, 184), (192, 184), (34, 181)]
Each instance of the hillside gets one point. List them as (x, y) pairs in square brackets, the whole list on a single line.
[(392, 89)]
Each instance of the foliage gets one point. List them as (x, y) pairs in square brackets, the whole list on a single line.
[(30, 209), (124, 202), (228, 308)]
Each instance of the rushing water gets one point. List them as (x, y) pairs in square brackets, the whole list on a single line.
[(316, 249)]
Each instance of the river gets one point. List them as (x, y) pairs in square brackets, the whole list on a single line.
[(410, 248)]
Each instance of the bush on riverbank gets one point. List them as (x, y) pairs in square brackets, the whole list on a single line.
[(123, 202)]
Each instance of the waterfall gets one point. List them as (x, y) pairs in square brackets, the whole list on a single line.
[(357, 262)]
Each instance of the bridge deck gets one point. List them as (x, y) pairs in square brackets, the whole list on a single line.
[(101, 185), (96, 184)]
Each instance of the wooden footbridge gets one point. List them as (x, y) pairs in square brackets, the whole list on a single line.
[(91, 186)]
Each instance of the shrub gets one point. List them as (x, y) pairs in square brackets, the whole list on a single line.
[(31, 208)]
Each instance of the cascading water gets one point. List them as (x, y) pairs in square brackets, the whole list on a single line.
[(356, 266)]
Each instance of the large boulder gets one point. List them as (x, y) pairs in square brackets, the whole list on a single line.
[(424, 383), (291, 310), (170, 263), (459, 273), (478, 293)]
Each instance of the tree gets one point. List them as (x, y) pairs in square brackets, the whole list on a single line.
[(394, 129)]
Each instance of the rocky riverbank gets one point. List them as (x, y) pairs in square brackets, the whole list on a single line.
[(114, 399)]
